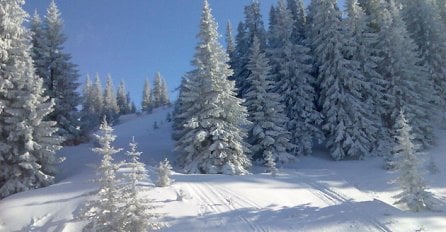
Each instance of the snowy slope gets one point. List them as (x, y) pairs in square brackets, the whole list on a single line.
[(314, 194)]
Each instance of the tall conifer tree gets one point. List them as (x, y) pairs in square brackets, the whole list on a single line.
[(213, 140), (27, 139)]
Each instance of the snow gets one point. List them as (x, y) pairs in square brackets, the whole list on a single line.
[(313, 194)]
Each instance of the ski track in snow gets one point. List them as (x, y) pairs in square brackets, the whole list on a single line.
[(214, 201), (334, 197)]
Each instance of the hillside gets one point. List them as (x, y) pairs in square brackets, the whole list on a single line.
[(314, 194)]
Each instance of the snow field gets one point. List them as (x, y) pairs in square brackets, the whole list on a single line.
[(313, 194)]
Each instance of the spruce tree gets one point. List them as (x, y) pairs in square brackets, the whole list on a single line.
[(252, 26), (137, 212), (164, 95), (363, 42), (425, 28), (105, 213), (89, 117), (291, 65), (157, 90), (408, 163), (213, 140), (268, 133), (181, 114), (147, 101), (164, 171), (59, 73), (297, 10), (230, 44), (39, 48), (110, 107), (122, 100), (346, 115), (28, 142), (406, 79)]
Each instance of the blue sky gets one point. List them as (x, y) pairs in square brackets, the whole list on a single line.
[(133, 39)]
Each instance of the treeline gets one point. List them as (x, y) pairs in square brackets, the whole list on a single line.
[(315, 74), (99, 102)]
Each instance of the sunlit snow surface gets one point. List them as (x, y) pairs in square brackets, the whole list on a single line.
[(314, 194)]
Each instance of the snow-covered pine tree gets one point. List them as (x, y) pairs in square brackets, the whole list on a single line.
[(426, 29), (131, 107), (363, 42), (90, 118), (59, 73), (406, 79), (137, 212), (230, 44), (346, 115), (409, 166), (181, 114), (270, 163), (291, 64), (110, 107), (164, 171), (252, 26), (39, 48), (97, 97), (214, 134), (105, 212), (147, 100), (122, 100), (157, 90), (164, 97), (27, 140), (267, 134), (297, 10), (374, 11)]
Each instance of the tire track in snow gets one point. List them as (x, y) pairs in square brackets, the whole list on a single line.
[(332, 197)]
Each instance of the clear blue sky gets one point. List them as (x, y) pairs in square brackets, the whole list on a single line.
[(133, 39)]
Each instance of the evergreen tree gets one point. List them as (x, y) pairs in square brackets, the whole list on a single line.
[(105, 213), (363, 42), (110, 108), (39, 48), (291, 64), (164, 96), (97, 97), (297, 10), (122, 99), (230, 44), (346, 115), (164, 171), (181, 114), (406, 80), (425, 28), (268, 133), (59, 73), (251, 27), (131, 107), (157, 90), (89, 116), (137, 212), (27, 140), (213, 138), (414, 193), (147, 102)]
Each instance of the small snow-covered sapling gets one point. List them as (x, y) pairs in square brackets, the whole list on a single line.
[(164, 171)]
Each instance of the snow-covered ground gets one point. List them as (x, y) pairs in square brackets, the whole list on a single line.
[(314, 194)]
